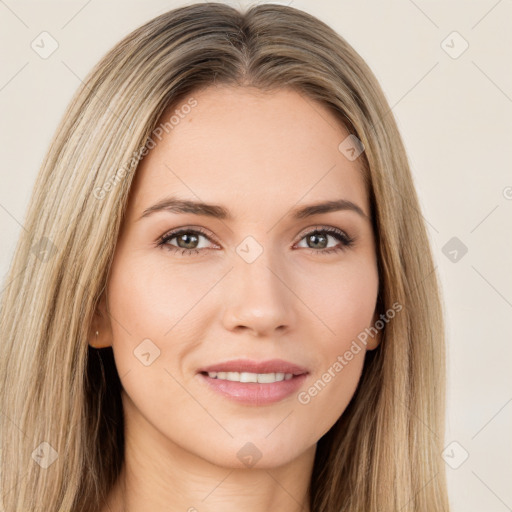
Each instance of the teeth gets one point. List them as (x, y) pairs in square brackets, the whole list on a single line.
[(248, 377), (268, 378), (262, 378)]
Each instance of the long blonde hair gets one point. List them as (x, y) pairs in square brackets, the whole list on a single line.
[(384, 453)]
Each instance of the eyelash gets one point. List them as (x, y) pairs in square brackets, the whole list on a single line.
[(346, 241)]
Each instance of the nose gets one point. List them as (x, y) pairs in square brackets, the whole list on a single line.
[(258, 298)]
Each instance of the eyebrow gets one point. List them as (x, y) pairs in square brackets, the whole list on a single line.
[(176, 205)]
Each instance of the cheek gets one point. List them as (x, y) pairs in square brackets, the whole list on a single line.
[(324, 399), (148, 297), (150, 311), (157, 318), (142, 311), (343, 298), (345, 303)]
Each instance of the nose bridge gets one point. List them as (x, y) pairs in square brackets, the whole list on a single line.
[(258, 298)]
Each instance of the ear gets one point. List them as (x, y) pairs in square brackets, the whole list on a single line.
[(374, 341), (100, 333)]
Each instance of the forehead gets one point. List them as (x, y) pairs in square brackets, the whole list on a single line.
[(249, 150)]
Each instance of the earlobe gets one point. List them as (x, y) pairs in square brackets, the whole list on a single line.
[(93, 340), (100, 335), (96, 341), (374, 341)]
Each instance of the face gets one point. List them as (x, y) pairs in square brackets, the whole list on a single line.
[(252, 290)]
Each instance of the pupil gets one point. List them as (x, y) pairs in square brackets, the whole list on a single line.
[(185, 236)]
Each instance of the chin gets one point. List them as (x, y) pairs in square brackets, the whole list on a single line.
[(258, 453)]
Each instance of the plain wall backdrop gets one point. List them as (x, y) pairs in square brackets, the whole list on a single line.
[(445, 70)]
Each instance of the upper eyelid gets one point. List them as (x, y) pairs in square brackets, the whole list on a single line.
[(175, 232), (306, 231)]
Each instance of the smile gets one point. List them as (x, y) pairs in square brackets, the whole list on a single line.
[(262, 378)]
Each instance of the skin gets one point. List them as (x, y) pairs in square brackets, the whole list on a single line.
[(259, 155)]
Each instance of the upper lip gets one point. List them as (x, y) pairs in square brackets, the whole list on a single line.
[(252, 366)]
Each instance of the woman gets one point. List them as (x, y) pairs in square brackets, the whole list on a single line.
[(225, 294)]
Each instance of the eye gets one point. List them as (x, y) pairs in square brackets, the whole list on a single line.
[(319, 238), (187, 241)]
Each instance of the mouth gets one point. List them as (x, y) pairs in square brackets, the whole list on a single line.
[(254, 382)]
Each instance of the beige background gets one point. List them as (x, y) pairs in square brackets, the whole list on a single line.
[(454, 114)]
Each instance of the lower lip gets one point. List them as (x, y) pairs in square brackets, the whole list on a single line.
[(255, 393)]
